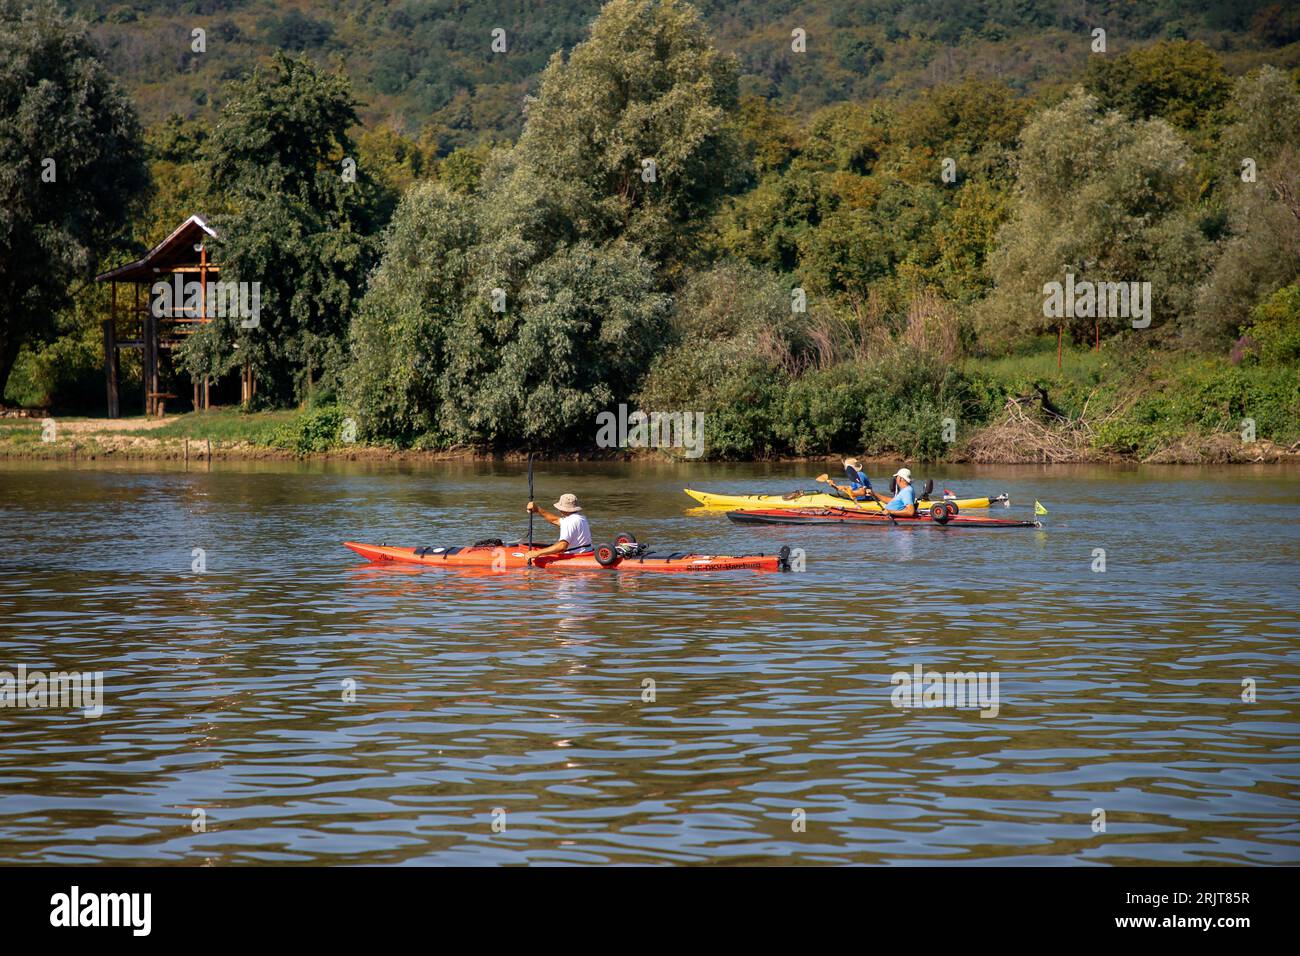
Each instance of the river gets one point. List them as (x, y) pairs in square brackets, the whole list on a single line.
[(273, 699)]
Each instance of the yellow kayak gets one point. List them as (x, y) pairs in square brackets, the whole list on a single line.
[(820, 500)]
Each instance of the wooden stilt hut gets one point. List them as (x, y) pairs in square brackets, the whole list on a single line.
[(144, 323)]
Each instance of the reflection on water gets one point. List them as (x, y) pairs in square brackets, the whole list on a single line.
[(322, 710)]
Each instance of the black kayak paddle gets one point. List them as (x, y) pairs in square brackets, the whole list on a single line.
[(530, 499)]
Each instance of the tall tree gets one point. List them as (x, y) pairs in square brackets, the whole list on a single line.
[(304, 225), (1260, 165), (557, 301), (1182, 82), (647, 87), (1102, 197), (71, 167)]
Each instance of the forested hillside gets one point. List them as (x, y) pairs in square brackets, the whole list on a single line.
[(427, 68), (826, 227)]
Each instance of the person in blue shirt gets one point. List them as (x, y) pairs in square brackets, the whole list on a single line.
[(904, 500), (859, 486)]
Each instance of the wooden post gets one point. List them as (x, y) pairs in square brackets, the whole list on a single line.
[(203, 280), (110, 358), (112, 363), (146, 357)]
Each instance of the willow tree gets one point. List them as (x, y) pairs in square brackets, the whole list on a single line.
[(71, 168), (1105, 198), (563, 252), (1259, 161), (638, 126)]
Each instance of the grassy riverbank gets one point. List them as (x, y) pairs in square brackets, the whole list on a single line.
[(1101, 406)]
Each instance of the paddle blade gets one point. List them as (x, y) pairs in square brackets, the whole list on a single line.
[(1038, 508)]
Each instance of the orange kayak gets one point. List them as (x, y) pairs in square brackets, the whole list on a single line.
[(510, 556)]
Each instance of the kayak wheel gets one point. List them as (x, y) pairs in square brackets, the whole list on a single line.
[(941, 511), (952, 506), (625, 537), (606, 555)]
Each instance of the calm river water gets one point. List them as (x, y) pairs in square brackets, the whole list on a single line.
[(504, 719)]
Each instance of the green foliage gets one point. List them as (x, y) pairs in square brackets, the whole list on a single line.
[(648, 85), (315, 430), (430, 63), (1276, 328), (1179, 81), (66, 374), (976, 123), (564, 233), (823, 411), (1102, 197), (395, 160), (298, 227), (1208, 396), (772, 139), (1260, 251), (462, 171), (584, 325), (57, 103), (735, 345), (860, 207), (397, 341), (803, 181), (751, 367), (296, 31)]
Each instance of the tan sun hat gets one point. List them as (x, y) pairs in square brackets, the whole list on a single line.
[(853, 463), (905, 474), (567, 504)]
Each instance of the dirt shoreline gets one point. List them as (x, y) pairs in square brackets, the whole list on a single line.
[(131, 446)]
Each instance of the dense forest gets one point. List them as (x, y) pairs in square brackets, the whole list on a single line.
[(829, 227)]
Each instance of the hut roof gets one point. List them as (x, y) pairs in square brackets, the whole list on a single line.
[(174, 251)]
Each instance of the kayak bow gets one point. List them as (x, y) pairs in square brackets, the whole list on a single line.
[(514, 556)]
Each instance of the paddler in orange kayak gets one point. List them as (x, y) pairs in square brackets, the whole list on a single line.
[(575, 532)]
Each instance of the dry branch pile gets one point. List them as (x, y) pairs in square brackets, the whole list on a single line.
[(1023, 435)]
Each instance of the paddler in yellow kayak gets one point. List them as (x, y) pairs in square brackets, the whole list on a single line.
[(859, 488), (575, 532)]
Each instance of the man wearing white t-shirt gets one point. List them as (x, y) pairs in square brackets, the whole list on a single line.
[(575, 533)]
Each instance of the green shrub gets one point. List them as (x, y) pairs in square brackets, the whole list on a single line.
[(1276, 328), (1204, 397), (315, 430)]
